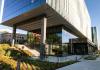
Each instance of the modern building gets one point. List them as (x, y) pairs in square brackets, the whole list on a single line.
[(68, 19), (7, 38), (94, 36)]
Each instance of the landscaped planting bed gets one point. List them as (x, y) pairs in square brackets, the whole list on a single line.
[(91, 57), (43, 65), (10, 56)]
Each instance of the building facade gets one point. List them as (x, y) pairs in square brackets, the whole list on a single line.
[(68, 19), (7, 38), (94, 36)]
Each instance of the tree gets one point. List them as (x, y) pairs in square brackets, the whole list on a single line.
[(33, 38), (30, 37), (53, 39)]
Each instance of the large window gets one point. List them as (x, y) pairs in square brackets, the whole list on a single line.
[(66, 36), (55, 38)]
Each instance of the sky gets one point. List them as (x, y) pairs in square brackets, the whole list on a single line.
[(94, 11)]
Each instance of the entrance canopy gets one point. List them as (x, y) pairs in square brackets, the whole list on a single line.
[(31, 20)]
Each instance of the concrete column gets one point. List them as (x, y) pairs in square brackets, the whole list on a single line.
[(72, 47), (43, 38), (14, 36), (43, 30)]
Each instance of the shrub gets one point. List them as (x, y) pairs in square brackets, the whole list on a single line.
[(25, 52), (29, 67), (4, 46), (23, 66), (43, 65), (98, 52), (57, 51), (91, 57), (8, 61), (4, 66), (2, 51)]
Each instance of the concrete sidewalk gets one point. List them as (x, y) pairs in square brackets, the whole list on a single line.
[(84, 65)]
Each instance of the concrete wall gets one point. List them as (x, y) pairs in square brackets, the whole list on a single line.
[(75, 12)]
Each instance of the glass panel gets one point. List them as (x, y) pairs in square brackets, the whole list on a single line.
[(66, 36), (13, 8)]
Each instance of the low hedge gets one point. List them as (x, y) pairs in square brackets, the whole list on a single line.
[(91, 57), (44, 65)]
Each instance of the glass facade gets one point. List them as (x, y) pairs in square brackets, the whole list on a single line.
[(60, 37), (59, 41), (13, 8), (94, 35), (66, 36), (54, 38)]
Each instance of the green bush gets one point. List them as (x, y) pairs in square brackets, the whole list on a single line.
[(91, 57), (2, 51), (4, 46), (57, 51), (43, 65), (4, 66), (8, 61)]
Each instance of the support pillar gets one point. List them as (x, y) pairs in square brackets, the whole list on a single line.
[(43, 30), (72, 47), (14, 36), (43, 38)]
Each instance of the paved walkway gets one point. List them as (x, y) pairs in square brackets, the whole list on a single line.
[(84, 65)]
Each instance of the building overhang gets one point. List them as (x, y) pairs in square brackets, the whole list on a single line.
[(31, 20)]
